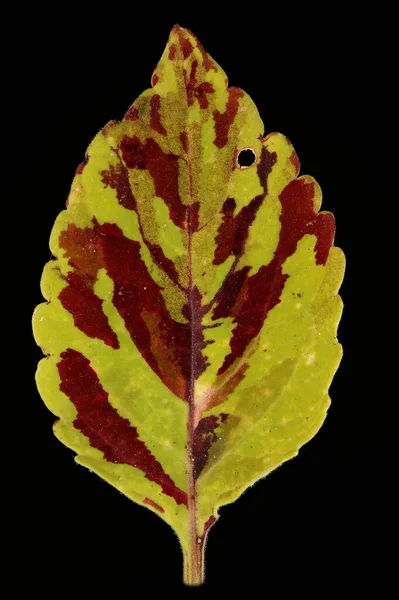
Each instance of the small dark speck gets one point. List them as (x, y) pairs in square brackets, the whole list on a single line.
[(299, 295)]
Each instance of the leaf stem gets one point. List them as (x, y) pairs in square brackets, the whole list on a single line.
[(194, 559)]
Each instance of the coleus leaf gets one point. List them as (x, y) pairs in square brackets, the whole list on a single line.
[(192, 307)]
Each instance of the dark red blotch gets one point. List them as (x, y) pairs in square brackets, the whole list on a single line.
[(204, 437), (163, 168), (155, 117), (206, 60), (172, 52), (259, 293), (265, 165), (184, 141), (166, 264), (223, 121), (196, 362), (117, 177), (232, 236), (185, 44), (79, 299), (233, 231), (137, 297), (132, 114), (198, 91), (82, 165), (150, 502), (106, 430)]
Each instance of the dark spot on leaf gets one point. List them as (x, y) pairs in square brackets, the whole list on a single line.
[(81, 166), (184, 141), (106, 430), (223, 121), (132, 114), (150, 502), (172, 52)]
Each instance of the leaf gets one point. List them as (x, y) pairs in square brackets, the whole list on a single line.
[(192, 307)]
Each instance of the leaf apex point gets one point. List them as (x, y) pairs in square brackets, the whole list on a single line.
[(176, 28)]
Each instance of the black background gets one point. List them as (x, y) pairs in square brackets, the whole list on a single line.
[(307, 529)]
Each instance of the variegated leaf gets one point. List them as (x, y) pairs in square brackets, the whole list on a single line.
[(192, 306)]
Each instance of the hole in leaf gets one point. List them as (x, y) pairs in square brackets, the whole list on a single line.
[(246, 158)]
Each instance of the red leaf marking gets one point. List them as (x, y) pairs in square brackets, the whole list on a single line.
[(172, 52), (192, 312), (201, 93), (132, 114), (78, 298), (223, 121), (86, 308), (106, 430), (232, 236), (228, 292), (164, 170), (82, 165), (133, 153), (153, 504), (204, 437), (191, 83), (184, 141), (233, 231), (209, 523), (165, 263), (294, 160), (262, 291), (298, 218), (265, 165), (185, 44), (198, 91), (193, 216), (82, 249), (206, 61), (207, 526), (155, 117), (117, 177), (259, 294), (162, 341)]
